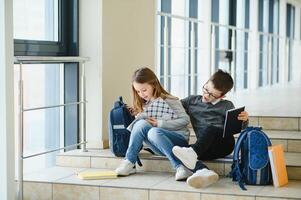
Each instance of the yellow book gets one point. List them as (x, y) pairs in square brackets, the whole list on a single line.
[(93, 175), (278, 165)]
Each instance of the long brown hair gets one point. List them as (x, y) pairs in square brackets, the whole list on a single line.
[(146, 75)]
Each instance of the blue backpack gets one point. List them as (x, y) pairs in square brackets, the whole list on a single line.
[(119, 119), (251, 163)]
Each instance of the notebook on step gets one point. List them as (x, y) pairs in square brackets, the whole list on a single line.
[(278, 165), (93, 175)]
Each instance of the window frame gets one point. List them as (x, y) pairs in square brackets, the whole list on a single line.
[(68, 39), (67, 45)]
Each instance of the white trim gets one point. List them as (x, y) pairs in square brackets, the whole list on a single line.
[(90, 39), (7, 149)]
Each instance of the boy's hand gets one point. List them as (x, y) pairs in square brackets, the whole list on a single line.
[(152, 121), (244, 116)]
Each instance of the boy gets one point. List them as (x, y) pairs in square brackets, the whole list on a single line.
[(207, 115)]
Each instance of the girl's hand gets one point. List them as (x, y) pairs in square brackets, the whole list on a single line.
[(131, 109), (152, 121), (244, 116)]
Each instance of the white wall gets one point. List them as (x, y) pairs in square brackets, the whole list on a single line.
[(119, 37), (7, 185), (90, 39)]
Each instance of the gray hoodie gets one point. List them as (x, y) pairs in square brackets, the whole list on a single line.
[(178, 124)]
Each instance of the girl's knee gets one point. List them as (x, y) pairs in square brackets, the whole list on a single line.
[(140, 124), (154, 134)]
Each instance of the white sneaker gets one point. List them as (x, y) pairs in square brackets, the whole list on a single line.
[(186, 155), (202, 178), (126, 168), (182, 173)]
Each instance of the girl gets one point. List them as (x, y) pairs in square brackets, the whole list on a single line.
[(160, 134)]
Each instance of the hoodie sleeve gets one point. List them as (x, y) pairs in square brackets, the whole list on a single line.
[(180, 122)]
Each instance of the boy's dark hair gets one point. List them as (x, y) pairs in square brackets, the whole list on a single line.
[(222, 81)]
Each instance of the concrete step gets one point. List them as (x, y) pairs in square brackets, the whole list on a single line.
[(105, 159), (61, 183), (276, 123), (291, 140)]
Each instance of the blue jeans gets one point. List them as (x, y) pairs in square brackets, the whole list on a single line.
[(161, 141)]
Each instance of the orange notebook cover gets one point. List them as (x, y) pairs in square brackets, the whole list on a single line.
[(278, 165)]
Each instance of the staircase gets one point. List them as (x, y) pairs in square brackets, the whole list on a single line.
[(155, 179)]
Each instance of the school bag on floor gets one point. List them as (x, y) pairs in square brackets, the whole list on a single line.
[(251, 163), (119, 119)]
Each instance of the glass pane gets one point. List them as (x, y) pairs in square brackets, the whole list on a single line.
[(181, 56), (275, 60), (36, 20), (241, 59), (43, 129), (179, 33), (179, 85), (179, 61)]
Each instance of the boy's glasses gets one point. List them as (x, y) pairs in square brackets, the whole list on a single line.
[(205, 90)]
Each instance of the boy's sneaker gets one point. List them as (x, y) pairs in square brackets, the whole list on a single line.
[(182, 173), (126, 168), (202, 178), (186, 155)]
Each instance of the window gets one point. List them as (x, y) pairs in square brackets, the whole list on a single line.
[(290, 34), (231, 44), (222, 40), (178, 46), (268, 26), (36, 20), (47, 28), (182, 43), (242, 38)]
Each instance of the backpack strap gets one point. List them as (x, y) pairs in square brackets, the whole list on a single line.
[(236, 171), (236, 160)]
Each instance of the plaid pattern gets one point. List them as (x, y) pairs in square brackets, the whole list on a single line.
[(159, 109)]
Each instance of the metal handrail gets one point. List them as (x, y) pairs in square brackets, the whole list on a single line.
[(277, 36), (82, 105), (53, 150), (194, 20), (230, 27), (54, 106), (163, 14)]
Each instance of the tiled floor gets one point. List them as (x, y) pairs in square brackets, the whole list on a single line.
[(62, 183)]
